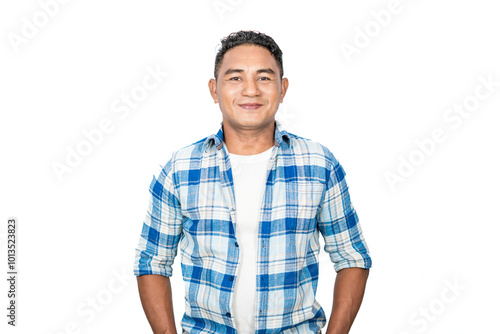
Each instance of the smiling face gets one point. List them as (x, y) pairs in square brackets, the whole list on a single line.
[(248, 88)]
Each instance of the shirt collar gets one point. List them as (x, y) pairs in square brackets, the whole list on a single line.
[(217, 139)]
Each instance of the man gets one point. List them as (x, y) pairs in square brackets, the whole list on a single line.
[(246, 206)]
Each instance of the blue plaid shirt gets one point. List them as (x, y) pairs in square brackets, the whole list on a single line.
[(192, 207)]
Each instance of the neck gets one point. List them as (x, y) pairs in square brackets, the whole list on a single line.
[(248, 141)]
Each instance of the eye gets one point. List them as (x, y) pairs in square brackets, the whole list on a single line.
[(234, 78), (264, 78)]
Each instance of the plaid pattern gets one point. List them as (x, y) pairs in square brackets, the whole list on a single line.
[(192, 208)]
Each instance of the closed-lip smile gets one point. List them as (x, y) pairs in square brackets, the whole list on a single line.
[(250, 106)]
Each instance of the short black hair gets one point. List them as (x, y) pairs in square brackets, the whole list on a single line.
[(248, 38)]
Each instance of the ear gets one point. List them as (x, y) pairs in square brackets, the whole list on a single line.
[(284, 88), (212, 86)]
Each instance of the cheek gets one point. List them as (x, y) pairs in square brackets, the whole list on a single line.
[(273, 96), (273, 90), (228, 94)]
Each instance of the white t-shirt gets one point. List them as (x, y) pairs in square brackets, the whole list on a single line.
[(249, 177)]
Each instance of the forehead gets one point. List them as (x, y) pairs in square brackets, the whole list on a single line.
[(248, 56)]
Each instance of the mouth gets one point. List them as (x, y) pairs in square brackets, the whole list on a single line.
[(250, 106)]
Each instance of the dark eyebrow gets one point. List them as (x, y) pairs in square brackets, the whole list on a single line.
[(238, 70), (233, 70), (266, 70)]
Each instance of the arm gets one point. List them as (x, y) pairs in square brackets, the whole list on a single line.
[(344, 241), (347, 297), (156, 299), (155, 253)]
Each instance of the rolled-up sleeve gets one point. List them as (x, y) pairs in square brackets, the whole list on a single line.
[(339, 224), (162, 227)]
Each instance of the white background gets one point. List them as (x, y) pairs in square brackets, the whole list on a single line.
[(436, 228)]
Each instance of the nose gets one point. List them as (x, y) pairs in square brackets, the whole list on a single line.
[(250, 88)]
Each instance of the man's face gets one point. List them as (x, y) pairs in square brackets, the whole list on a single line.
[(248, 88)]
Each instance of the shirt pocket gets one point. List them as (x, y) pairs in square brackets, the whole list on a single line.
[(303, 199)]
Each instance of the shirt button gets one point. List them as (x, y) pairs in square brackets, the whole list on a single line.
[(231, 278), (236, 244), (228, 314)]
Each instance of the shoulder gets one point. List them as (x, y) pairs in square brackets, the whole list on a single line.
[(182, 158), (318, 158), (190, 152), (313, 151)]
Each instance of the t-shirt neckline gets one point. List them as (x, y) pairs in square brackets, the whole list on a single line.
[(259, 157)]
